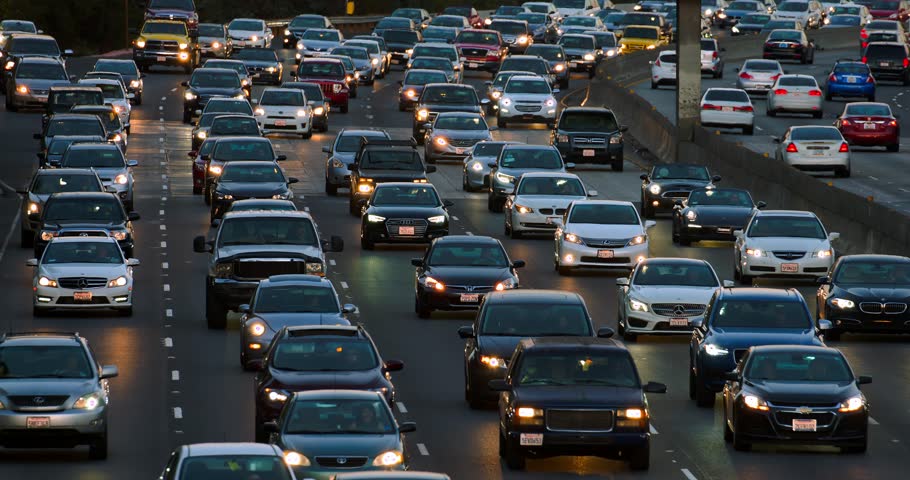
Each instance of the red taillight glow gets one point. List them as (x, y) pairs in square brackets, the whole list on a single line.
[(745, 76), (844, 148), (864, 44), (708, 106), (815, 93), (791, 148), (892, 123), (780, 91), (657, 63), (870, 79), (863, 33), (906, 62), (747, 108), (864, 59), (832, 78), (714, 55), (845, 123), (775, 77)]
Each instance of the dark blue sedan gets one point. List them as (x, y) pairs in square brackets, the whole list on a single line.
[(850, 79)]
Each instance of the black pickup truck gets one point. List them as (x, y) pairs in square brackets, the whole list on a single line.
[(380, 160)]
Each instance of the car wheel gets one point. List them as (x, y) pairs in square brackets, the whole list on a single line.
[(344, 108), (353, 208), (366, 243), (421, 309), (506, 229), (771, 113), (564, 84), (498, 205), (617, 165), (684, 240), (640, 458), (490, 205), (745, 279), (748, 130), (97, 450), (261, 436), (26, 238), (691, 382), (353, 93), (401, 107), (465, 185), (215, 313), (592, 72), (513, 233), (515, 460), (728, 434), (739, 443), (307, 135), (138, 99), (832, 335), (842, 172), (125, 312), (474, 402), (703, 397), (207, 195), (629, 336), (653, 86), (894, 148), (39, 311), (330, 189)]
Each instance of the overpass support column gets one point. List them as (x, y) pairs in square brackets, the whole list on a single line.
[(688, 75)]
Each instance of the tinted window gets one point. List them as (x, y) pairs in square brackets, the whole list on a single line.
[(742, 6), (587, 121), (266, 231), (793, 7), (251, 173), (250, 25), (227, 151), (776, 226), (533, 18), (448, 21), (563, 367), (329, 417), (324, 354), (88, 210), (708, 45), (278, 97), (761, 314), (579, 41), (213, 30), (389, 22), (296, 299), (207, 78), (307, 22), (430, 51), (844, 20), (886, 51), (733, 198), (51, 361), (535, 320), (478, 37), (75, 127), (528, 86), (391, 160), (44, 71), (582, 21), (879, 272), (324, 35), (785, 35), (47, 184), (371, 47), (533, 65), (423, 78), (457, 95), (815, 133), (69, 98), (870, 110), (235, 65), (797, 82), (172, 4), (688, 172), (604, 214), (755, 19), (433, 63), (798, 367), (886, 5), (881, 25), (416, 196), (545, 52), (551, 186), (17, 26), (458, 122), (353, 52), (400, 36), (688, 274), (235, 126), (569, 3), (222, 466), (260, 54), (82, 252), (852, 69), (762, 66), (93, 157), (488, 149), (468, 255), (531, 158), (727, 96)]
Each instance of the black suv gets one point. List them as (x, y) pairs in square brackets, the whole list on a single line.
[(379, 161), (319, 357), (665, 184), (443, 97), (73, 214), (589, 134), (207, 83), (888, 61), (574, 396)]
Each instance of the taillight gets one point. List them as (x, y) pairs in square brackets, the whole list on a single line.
[(906, 62), (791, 148), (844, 148), (775, 77), (870, 79), (845, 123), (657, 63), (745, 76), (780, 91), (864, 44), (714, 55), (864, 59), (747, 108), (832, 78), (709, 106), (863, 33), (892, 123), (815, 93)]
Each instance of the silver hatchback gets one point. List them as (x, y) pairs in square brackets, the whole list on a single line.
[(757, 76)]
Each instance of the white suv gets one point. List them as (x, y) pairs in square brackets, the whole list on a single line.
[(284, 110), (527, 99)]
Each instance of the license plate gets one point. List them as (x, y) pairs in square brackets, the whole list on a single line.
[(605, 254), (573, 64), (789, 267), (679, 322), (396, 61), (804, 425), (869, 126), (406, 230), (82, 296), (472, 65), (161, 59), (37, 422), (783, 45), (851, 79), (459, 151), (587, 153), (469, 297), (280, 123), (552, 220), (726, 109), (531, 439), (818, 153)]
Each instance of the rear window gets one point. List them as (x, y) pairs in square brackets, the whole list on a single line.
[(727, 96), (815, 133), (854, 69), (537, 65), (797, 82), (886, 51), (668, 58), (871, 110), (708, 45), (762, 66)]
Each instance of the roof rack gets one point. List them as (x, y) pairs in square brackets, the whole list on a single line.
[(26, 333)]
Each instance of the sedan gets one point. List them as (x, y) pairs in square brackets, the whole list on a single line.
[(789, 45), (540, 200), (315, 99), (476, 174), (412, 85), (870, 124), (795, 94), (453, 135), (600, 234), (284, 110), (788, 394), (850, 79), (439, 64), (712, 214), (758, 76), (458, 270), (263, 64), (128, 70), (108, 162), (751, 24), (241, 180), (670, 182), (515, 161), (46, 182), (403, 213), (815, 148), (363, 64), (727, 108), (250, 33), (782, 243)]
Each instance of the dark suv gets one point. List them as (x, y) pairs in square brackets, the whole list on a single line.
[(319, 357), (72, 214), (589, 134), (665, 184), (888, 61), (379, 161), (443, 97)]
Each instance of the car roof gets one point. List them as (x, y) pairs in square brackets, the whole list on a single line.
[(674, 261), (529, 57), (75, 88), (337, 394), (250, 163), (83, 239), (216, 70), (267, 213), (602, 202), (240, 139), (94, 146), (40, 338), (363, 131), (228, 448), (73, 116), (533, 296), (162, 20), (467, 239), (899, 44), (761, 293), (297, 278), (38, 36), (795, 348), (521, 76), (785, 213), (44, 60), (85, 195), (99, 81), (220, 60), (528, 146), (458, 114), (564, 343), (63, 171), (403, 184)]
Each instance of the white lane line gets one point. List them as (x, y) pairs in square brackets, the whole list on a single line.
[(759, 128), (160, 212), (164, 99), (162, 227), (331, 262), (164, 265), (688, 474), (161, 150), (402, 409), (178, 413), (167, 287), (306, 209), (161, 119), (174, 89), (344, 285), (163, 199), (873, 421), (161, 139), (873, 178), (654, 430), (168, 312), (163, 244), (454, 218), (12, 228), (423, 449), (175, 375), (160, 107), (468, 233), (168, 342)]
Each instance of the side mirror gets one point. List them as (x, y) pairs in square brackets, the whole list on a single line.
[(132, 262), (336, 244), (40, 155), (696, 322), (37, 136), (654, 387), (31, 262), (730, 376), (431, 169), (132, 163), (292, 180), (824, 325), (448, 203), (592, 193), (650, 224), (400, 83), (327, 149), (466, 332), (216, 223), (142, 75), (761, 205), (715, 178), (728, 283), (623, 128), (200, 245), (863, 380), (407, 427), (605, 332), (622, 282), (722, 49), (833, 236), (281, 158), (736, 69), (570, 166), (184, 83), (518, 264), (393, 366), (643, 176), (491, 164), (133, 216), (271, 427), (349, 308), (738, 233), (499, 385), (417, 262), (244, 308), (68, 52), (823, 280), (192, 153), (109, 371)]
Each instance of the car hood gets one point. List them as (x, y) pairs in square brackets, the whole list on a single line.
[(109, 271), (252, 189), (476, 276), (449, 107), (40, 83), (340, 445), (808, 392), (340, 380), (164, 37), (346, 157), (80, 225), (592, 396), (243, 33), (677, 184), (544, 201), (517, 172), (399, 45), (593, 230), (788, 243), (711, 215), (216, 91), (47, 386), (672, 294), (391, 175), (463, 134), (319, 45), (210, 40), (530, 97), (277, 320), (738, 338), (874, 293), (270, 251), (406, 212), (497, 346), (168, 13)]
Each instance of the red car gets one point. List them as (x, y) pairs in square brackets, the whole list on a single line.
[(329, 74), (481, 49), (890, 10), (468, 12), (870, 124), (199, 164)]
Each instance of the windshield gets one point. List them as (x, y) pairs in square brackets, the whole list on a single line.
[(449, 95), (265, 467), (324, 35), (604, 214), (463, 11), (228, 106), (583, 21), (412, 13), (353, 52), (412, 196), (720, 197), (307, 22), (351, 142), (44, 361), (468, 255), (533, 65), (881, 25), (267, 231), (109, 118), (123, 68), (869, 110), (533, 18), (259, 54), (485, 38), (330, 416), (391, 160), (282, 97), (239, 150), (247, 25), (212, 31), (44, 71), (324, 355), (726, 95), (742, 6), (528, 86), (69, 98), (428, 51), (843, 10), (48, 184), (17, 26), (873, 272), (785, 35), (588, 121), (82, 252), (776, 226), (207, 78), (251, 174), (432, 33), (569, 3), (554, 186), (400, 36), (459, 122), (371, 47), (536, 8), (164, 28), (89, 210), (508, 28), (762, 66), (531, 158), (775, 24), (694, 274), (394, 22), (296, 299), (844, 20), (549, 53), (751, 314), (207, 118), (431, 63), (535, 319), (235, 126), (75, 127), (35, 46), (448, 21), (798, 367), (815, 133), (93, 158), (272, 206), (641, 32), (236, 66), (173, 4), (111, 91), (579, 41), (683, 172), (793, 7), (603, 40), (311, 91), (611, 368), (423, 78), (321, 69)]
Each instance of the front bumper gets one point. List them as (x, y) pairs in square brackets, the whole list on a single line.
[(125, 245), (233, 293), (67, 428), (654, 324), (776, 425), (167, 58), (63, 298), (575, 255), (282, 124), (486, 64), (590, 153), (599, 444), (480, 376), (664, 201), (544, 114), (381, 232), (253, 348), (809, 267), (855, 320)]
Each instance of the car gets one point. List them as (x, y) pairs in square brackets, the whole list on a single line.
[(393, 23), (581, 23), (869, 124), (664, 184), (738, 318), (378, 59), (864, 293), (783, 243), (883, 36), (556, 56), (547, 8), (456, 22), (581, 52), (843, 21), (727, 108), (286, 300), (784, 44), (400, 43), (506, 12), (62, 98), (440, 34), (663, 70), (17, 46), (874, 30), (242, 180), (70, 124), (476, 174), (284, 110), (600, 234), (254, 245), (88, 213), (809, 13), (128, 70), (733, 12), (199, 164), (300, 24), (106, 160), (758, 76), (711, 62), (379, 160), (593, 402), (182, 10), (540, 200), (11, 26), (316, 100), (850, 9), (29, 81), (566, 8), (411, 86), (589, 134), (327, 425), (50, 157), (267, 204), (315, 42), (529, 63), (208, 83), (362, 62), (712, 214), (761, 396), (850, 78), (495, 87), (330, 75), (165, 43), (515, 161), (504, 318), (452, 135), (114, 94), (246, 80), (664, 296), (401, 212), (46, 182), (233, 148), (313, 357), (443, 97), (250, 33), (641, 37), (62, 371), (201, 129), (110, 119), (516, 34), (204, 460), (438, 64), (751, 24), (815, 148), (420, 16), (263, 65), (234, 125), (710, 8), (795, 93), (527, 98), (440, 50), (891, 9), (483, 49), (341, 156), (465, 11), (542, 26), (214, 40), (888, 61), (606, 42)]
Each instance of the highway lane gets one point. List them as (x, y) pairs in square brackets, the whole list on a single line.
[(215, 396)]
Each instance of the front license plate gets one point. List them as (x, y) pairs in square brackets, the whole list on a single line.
[(869, 126), (587, 153), (82, 296), (573, 64), (37, 422), (605, 254), (804, 425), (726, 109), (280, 123), (552, 220), (531, 439), (679, 322), (161, 59), (789, 267), (459, 151), (469, 297), (406, 230), (472, 65)]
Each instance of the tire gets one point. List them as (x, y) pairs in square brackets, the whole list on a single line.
[(421, 309), (745, 280), (691, 383), (728, 434), (647, 210), (331, 190), (188, 69), (592, 72), (490, 203), (617, 165), (817, 114), (207, 195), (465, 185), (26, 238), (513, 457), (215, 313), (344, 108), (629, 336), (474, 402), (748, 130), (563, 271), (187, 116), (514, 234), (684, 241), (261, 436), (906, 80), (97, 450), (138, 99), (197, 190), (352, 208), (842, 172), (894, 148), (704, 398), (308, 134), (870, 98), (771, 113), (498, 205), (125, 312), (640, 458), (653, 86), (739, 443), (366, 243), (353, 93)]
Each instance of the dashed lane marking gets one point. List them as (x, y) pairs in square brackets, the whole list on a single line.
[(688, 474), (168, 312), (423, 449), (401, 407), (175, 375), (163, 244), (654, 430), (166, 287), (331, 262), (178, 413), (164, 265), (344, 285), (454, 218), (164, 99), (468, 233), (169, 342)]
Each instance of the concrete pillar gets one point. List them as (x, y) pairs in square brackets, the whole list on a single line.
[(688, 72)]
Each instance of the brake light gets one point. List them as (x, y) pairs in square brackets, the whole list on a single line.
[(780, 91), (832, 78), (708, 106), (863, 33), (747, 108), (775, 77), (714, 55), (892, 123), (745, 76), (844, 148), (906, 62), (864, 44), (657, 63), (864, 59), (870, 79), (791, 148), (815, 93)]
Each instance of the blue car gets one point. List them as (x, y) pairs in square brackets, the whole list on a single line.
[(740, 318), (850, 78)]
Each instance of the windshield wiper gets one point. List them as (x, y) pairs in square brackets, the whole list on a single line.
[(542, 382)]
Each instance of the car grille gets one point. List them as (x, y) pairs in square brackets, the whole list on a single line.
[(634, 47), (678, 309), (261, 270), (79, 283), (606, 261), (589, 140), (789, 255), (341, 462), (420, 226), (161, 45), (549, 226), (675, 194), (262, 69), (280, 117), (474, 52), (572, 57), (463, 142), (892, 308), (606, 242), (470, 288), (83, 233), (823, 419), (272, 126), (38, 400), (550, 211), (329, 88), (580, 420), (38, 91)]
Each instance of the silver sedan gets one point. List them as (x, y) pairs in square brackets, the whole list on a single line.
[(795, 94), (757, 76), (476, 175), (453, 135)]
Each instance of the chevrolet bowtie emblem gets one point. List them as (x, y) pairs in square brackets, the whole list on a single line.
[(804, 410)]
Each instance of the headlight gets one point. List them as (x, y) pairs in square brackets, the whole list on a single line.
[(616, 139), (755, 403), (637, 240), (216, 45), (487, 21), (826, 253), (315, 268), (215, 169), (140, 43), (22, 90), (496, 94), (9, 65), (506, 285), (254, 38), (47, 236), (183, 46), (559, 31), (117, 108), (295, 459), (46, 282), (319, 110), (691, 215), (440, 141), (256, 329), (410, 93), (852, 404), (437, 219), (388, 459), (375, 61), (476, 166), (721, 15), (589, 57), (375, 218), (523, 209), (223, 196), (201, 135), (259, 111), (278, 396), (559, 67), (271, 69), (134, 83), (632, 413), (528, 412), (638, 306), (32, 207), (89, 401), (117, 138), (189, 96), (611, 52), (492, 362), (335, 163), (756, 252), (224, 269), (572, 238), (121, 179), (523, 39), (843, 303), (117, 282), (654, 189), (300, 46), (715, 351), (119, 235), (502, 177), (281, 196), (736, 30), (550, 102), (287, 32), (356, 75), (422, 114), (301, 113), (364, 188), (708, 11), (431, 282), (409, 51)]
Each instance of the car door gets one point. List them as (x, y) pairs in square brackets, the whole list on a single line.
[(731, 390)]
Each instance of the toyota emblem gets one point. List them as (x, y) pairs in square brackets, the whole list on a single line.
[(341, 460), (679, 310), (803, 410), (38, 400)]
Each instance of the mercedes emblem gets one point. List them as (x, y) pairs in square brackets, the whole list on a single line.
[(679, 310)]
